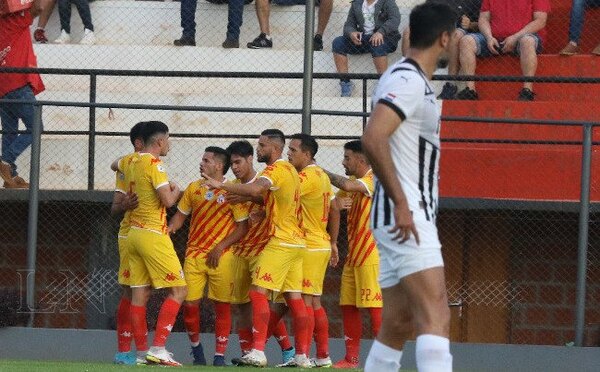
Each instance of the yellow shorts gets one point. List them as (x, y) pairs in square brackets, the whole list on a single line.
[(220, 280), (313, 269), (360, 287), (242, 278), (153, 261), (279, 268), (124, 271)]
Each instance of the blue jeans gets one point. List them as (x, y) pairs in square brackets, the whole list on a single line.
[(235, 14), (577, 17), (343, 45), (64, 12), (188, 19), (14, 144)]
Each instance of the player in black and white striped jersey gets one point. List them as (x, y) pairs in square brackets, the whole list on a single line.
[(402, 141)]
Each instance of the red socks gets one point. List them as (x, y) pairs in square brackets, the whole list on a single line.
[(310, 326), (300, 320), (191, 319), (375, 320), (124, 328), (140, 327), (166, 320), (321, 333), (245, 336), (222, 326), (352, 330), (260, 319)]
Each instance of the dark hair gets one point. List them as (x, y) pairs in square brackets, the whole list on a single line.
[(307, 143), (275, 134), (240, 148), (221, 154), (136, 132), (428, 21), (151, 129), (355, 146)]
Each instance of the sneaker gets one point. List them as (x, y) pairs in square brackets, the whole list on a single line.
[(260, 42), (254, 358), (467, 94), (321, 362), (162, 356), (219, 361), (569, 50), (39, 36), (88, 38), (448, 91), (198, 354), (6, 172), (140, 361), (230, 44), (346, 87), (184, 42), (127, 358), (318, 43), (64, 38), (346, 364), (526, 95), (287, 355), (596, 50), (299, 361)]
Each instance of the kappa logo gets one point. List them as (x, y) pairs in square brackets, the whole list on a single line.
[(306, 283), (378, 297), (221, 199), (170, 277), (126, 273), (267, 277)]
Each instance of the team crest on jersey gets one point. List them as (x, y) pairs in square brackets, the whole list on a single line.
[(209, 195), (121, 176), (160, 168), (221, 199)]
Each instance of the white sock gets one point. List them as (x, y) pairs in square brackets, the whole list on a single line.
[(194, 344), (433, 354), (383, 358)]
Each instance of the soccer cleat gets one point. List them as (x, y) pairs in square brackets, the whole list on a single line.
[(448, 91), (198, 354), (141, 361), (88, 38), (346, 364), (299, 361), (219, 361), (64, 38), (162, 356), (287, 355), (261, 42), (346, 87), (254, 358), (39, 35), (321, 362), (127, 358)]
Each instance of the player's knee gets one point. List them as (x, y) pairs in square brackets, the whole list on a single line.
[(179, 293)]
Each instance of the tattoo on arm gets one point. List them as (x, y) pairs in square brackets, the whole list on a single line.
[(337, 180)]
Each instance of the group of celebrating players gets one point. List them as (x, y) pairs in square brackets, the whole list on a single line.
[(263, 236)]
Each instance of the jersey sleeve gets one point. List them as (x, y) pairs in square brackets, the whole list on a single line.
[(367, 180), (273, 174), (120, 184), (158, 174), (402, 91), (185, 204), (241, 211)]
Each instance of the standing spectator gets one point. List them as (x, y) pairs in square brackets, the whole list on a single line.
[(39, 35), (515, 27), (325, 9), (64, 11), (576, 25), (17, 51), (371, 27), (188, 23)]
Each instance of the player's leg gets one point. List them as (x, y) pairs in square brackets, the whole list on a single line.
[(312, 289), (278, 329), (242, 307), (220, 288), (123, 315), (196, 276), (351, 319)]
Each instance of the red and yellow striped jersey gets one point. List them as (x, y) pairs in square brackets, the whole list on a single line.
[(361, 244), (316, 194), (145, 174), (212, 217), (122, 186), (258, 233), (282, 203)]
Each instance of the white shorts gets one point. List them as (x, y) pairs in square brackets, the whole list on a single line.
[(399, 260)]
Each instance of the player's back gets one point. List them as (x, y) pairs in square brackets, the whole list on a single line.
[(315, 197), (122, 185)]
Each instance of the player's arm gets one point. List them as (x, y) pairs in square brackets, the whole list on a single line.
[(346, 184), (176, 222), (239, 199), (253, 190), (114, 166), (384, 120), (241, 229), (333, 228), (122, 202), (168, 194)]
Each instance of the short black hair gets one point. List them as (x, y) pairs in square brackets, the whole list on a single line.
[(151, 129), (220, 154), (354, 146), (428, 21), (275, 134), (136, 132), (307, 143), (241, 148)]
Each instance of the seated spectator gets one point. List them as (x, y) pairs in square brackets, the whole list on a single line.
[(64, 12), (371, 27), (515, 27), (576, 25)]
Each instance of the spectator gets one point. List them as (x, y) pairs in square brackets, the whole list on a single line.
[(515, 27), (188, 23), (576, 25), (64, 11), (371, 27), (17, 48), (39, 35)]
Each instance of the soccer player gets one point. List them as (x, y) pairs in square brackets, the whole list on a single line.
[(359, 288), (123, 202), (152, 259), (213, 229), (402, 141), (279, 266)]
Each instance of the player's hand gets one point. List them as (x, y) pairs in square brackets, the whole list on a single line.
[(257, 216), (509, 44), (345, 203), (212, 259), (356, 37), (335, 255), (405, 226), (211, 183), (376, 39), (493, 45), (236, 199), (129, 201), (465, 22), (171, 230), (3, 53)]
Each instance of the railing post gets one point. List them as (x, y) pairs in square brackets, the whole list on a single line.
[(32, 220), (309, 26), (364, 102), (92, 135), (582, 243)]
